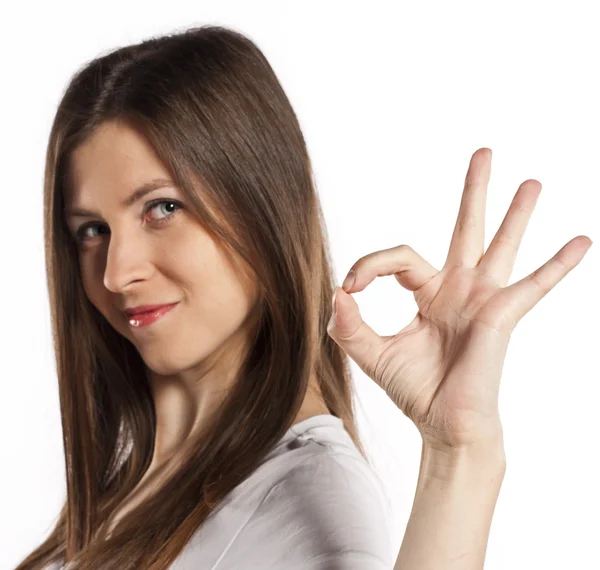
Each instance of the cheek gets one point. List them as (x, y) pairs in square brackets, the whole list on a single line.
[(99, 300), (221, 296), (90, 286), (92, 281), (91, 270)]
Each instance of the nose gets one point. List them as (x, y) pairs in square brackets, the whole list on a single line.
[(127, 260)]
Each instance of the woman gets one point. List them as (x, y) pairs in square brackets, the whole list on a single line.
[(205, 390)]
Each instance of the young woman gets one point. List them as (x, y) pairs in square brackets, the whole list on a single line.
[(205, 391)]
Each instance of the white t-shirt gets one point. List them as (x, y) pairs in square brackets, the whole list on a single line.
[(314, 503)]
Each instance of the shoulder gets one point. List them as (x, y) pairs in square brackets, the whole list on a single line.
[(327, 476), (326, 512)]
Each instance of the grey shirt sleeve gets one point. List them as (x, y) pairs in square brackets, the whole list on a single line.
[(325, 514)]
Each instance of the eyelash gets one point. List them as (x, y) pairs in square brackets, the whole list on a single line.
[(79, 237)]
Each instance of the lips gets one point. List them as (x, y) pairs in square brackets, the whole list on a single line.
[(146, 309)]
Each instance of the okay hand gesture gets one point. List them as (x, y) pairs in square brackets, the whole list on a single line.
[(443, 370)]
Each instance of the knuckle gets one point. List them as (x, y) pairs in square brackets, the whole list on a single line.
[(535, 279), (559, 261), (522, 208), (402, 249), (507, 242)]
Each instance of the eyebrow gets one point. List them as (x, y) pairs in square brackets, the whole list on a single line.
[(138, 194)]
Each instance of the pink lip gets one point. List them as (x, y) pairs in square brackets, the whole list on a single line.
[(148, 317), (145, 309)]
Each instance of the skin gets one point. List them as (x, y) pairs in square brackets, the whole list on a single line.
[(443, 370), (128, 258)]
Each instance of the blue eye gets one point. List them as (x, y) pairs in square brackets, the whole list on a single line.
[(79, 233)]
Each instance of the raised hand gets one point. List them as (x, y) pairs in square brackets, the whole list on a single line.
[(443, 370)]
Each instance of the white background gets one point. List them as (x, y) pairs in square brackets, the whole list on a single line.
[(393, 99)]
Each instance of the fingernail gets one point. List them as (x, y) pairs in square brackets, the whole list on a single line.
[(333, 303), (349, 281)]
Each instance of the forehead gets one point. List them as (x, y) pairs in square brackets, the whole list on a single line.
[(115, 158)]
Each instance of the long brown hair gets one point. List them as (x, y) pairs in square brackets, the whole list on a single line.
[(211, 106)]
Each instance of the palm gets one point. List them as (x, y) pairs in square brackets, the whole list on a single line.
[(433, 368), (443, 370)]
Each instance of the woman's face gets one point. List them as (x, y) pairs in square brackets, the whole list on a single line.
[(145, 254)]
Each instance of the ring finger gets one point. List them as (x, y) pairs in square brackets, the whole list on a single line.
[(499, 259)]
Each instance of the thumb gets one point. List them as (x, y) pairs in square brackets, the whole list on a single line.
[(352, 334)]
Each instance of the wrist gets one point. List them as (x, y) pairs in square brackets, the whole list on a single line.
[(449, 463), (454, 503)]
